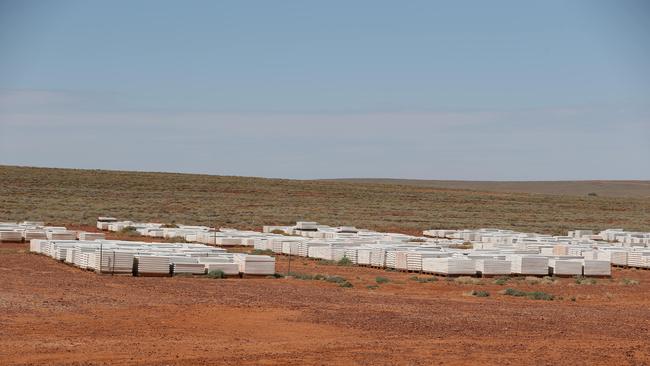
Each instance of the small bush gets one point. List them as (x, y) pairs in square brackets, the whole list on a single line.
[(501, 280), (335, 279), (465, 245), (514, 292), (346, 284), (480, 293), (372, 287), (301, 276), (424, 279), (380, 280), (538, 295), (262, 252), (580, 280), (464, 280), (531, 280), (278, 275), (345, 261), (277, 231), (326, 262), (548, 280), (535, 295), (216, 274), (629, 282), (129, 230)]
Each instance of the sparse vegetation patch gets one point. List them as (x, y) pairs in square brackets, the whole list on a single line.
[(381, 280), (534, 295), (478, 293)]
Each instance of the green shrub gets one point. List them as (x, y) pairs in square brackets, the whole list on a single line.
[(129, 230), (301, 276), (345, 284), (538, 295), (580, 280), (380, 280), (535, 295), (262, 252), (501, 280), (629, 282), (335, 279), (479, 293), (424, 279), (464, 280), (514, 292), (342, 282), (217, 273), (548, 280), (531, 280), (345, 261)]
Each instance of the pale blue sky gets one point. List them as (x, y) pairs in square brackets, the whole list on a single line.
[(490, 90)]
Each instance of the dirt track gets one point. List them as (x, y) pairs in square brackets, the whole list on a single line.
[(52, 313)]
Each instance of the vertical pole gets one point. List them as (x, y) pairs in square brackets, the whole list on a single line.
[(289, 269), (101, 252)]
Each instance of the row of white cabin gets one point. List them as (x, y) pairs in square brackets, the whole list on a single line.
[(140, 258), (28, 230), (616, 236), (494, 251), (427, 255)]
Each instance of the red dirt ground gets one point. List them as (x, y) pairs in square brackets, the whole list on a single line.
[(51, 313)]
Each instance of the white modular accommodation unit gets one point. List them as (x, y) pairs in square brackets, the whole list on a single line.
[(11, 236), (597, 268), (491, 267), (615, 256), (255, 264), (83, 235), (529, 265), (449, 266), (566, 266), (152, 264)]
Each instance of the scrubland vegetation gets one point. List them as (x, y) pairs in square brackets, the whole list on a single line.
[(78, 196)]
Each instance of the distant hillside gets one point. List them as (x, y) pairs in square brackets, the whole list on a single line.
[(605, 188), (72, 196)]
